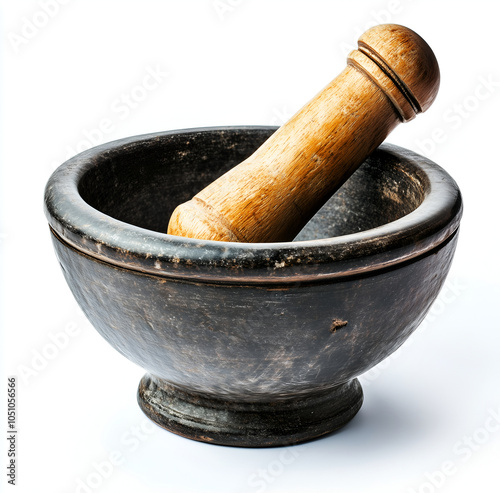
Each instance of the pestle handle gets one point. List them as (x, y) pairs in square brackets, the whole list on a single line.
[(392, 76)]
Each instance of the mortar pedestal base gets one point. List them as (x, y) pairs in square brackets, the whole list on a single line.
[(249, 424)]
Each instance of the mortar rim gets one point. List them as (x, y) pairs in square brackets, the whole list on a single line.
[(110, 240)]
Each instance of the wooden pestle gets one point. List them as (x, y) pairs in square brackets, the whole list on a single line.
[(392, 76)]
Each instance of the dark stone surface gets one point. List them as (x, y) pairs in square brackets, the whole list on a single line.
[(230, 332), (249, 424)]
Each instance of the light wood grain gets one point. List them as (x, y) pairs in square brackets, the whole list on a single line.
[(271, 195)]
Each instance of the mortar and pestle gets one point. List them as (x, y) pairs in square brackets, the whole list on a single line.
[(269, 296)]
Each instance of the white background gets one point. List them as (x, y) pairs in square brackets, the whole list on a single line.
[(431, 417)]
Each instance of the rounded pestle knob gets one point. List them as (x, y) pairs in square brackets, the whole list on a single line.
[(271, 195)]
